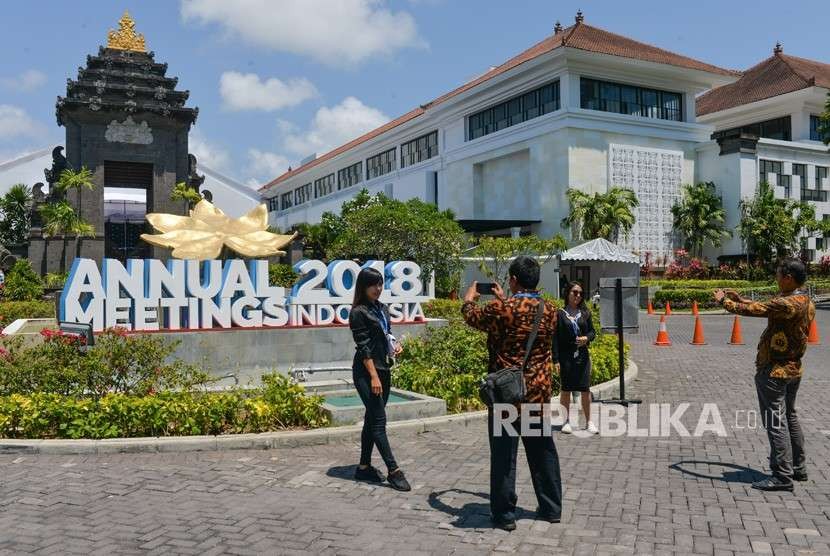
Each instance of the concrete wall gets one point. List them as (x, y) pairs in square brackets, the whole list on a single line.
[(250, 352)]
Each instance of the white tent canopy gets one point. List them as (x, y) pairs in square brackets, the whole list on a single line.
[(599, 250)]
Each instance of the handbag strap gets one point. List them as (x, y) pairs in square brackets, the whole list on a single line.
[(540, 310)]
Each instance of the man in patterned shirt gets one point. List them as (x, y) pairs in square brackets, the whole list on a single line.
[(508, 322), (778, 366)]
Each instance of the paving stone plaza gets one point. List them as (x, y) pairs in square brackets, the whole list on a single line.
[(623, 495)]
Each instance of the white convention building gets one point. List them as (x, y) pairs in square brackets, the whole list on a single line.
[(588, 109)]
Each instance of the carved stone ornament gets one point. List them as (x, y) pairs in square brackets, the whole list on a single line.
[(129, 132)]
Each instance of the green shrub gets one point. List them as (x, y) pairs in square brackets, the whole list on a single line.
[(55, 280), (683, 298), (10, 311), (22, 283), (605, 358), (449, 309), (279, 404), (135, 364), (281, 275), (702, 284)]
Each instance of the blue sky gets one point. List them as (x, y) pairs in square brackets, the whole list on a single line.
[(276, 80)]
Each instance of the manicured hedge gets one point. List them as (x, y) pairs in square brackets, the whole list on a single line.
[(280, 404), (10, 311)]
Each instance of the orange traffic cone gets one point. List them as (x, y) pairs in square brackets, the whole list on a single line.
[(695, 312), (698, 339), (812, 335), (662, 334), (650, 309), (668, 309), (737, 338)]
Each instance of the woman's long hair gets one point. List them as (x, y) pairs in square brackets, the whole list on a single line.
[(366, 278), (571, 285)]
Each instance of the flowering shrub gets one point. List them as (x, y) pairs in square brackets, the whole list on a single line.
[(279, 404), (824, 266), (117, 363)]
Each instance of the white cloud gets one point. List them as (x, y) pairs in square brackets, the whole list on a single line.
[(332, 127), (246, 91), (209, 154), (332, 32), (265, 166), (27, 81), (15, 123)]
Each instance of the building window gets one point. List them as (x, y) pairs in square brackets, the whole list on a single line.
[(821, 173), (302, 194), (380, 164), (778, 128), (811, 194), (514, 111), (815, 129), (819, 244), (767, 167), (419, 149), (323, 186), (628, 99), (350, 175), (287, 200), (273, 204)]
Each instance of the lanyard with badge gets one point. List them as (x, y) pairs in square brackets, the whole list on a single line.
[(391, 341)]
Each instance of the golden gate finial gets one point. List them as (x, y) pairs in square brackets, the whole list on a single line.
[(126, 38)]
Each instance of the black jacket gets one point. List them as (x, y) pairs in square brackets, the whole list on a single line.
[(369, 337), (564, 341)]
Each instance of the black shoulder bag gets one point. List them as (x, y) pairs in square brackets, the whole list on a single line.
[(508, 385)]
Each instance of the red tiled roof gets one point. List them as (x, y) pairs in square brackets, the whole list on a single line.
[(777, 75), (579, 36)]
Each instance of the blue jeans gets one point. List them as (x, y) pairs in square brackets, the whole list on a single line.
[(374, 421)]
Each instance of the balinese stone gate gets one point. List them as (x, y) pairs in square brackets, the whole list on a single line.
[(126, 122)]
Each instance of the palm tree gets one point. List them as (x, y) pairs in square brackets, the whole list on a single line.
[(601, 214), (15, 206), (74, 179), (60, 219), (700, 217), (183, 192)]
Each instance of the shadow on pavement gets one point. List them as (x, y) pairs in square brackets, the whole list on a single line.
[(472, 515), (737, 473)]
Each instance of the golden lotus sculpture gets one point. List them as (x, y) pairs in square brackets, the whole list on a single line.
[(202, 235)]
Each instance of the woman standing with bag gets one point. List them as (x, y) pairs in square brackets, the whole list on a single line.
[(376, 348), (571, 356)]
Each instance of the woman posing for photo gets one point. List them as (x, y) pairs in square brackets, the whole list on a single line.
[(376, 349), (570, 354)]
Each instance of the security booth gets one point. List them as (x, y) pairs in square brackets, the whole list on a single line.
[(590, 262)]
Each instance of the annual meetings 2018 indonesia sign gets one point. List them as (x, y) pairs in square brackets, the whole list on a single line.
[(149, 294)]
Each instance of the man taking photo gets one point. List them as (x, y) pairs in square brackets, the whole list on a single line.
[(509, 322), (778, 368)]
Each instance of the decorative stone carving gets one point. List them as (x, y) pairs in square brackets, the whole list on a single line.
[(59, 164), (194, 180), (655, 176), (129, 132)]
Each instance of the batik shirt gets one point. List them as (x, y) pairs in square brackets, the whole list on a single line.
[(508, 325), (784, 341)]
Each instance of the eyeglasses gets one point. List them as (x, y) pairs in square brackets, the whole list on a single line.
[(576, 292)]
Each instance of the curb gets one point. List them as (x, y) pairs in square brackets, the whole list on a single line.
[(258, 441)]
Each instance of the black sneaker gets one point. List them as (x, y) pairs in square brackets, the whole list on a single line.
[(369, 474), (550, 518), (398, 481), (504, 524), (773, 484), (800, 476)]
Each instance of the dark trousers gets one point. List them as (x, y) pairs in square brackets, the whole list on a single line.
[(544, 472), (776, 397), (374, 421)]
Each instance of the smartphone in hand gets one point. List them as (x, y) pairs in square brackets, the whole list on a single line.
[(485, 288)]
